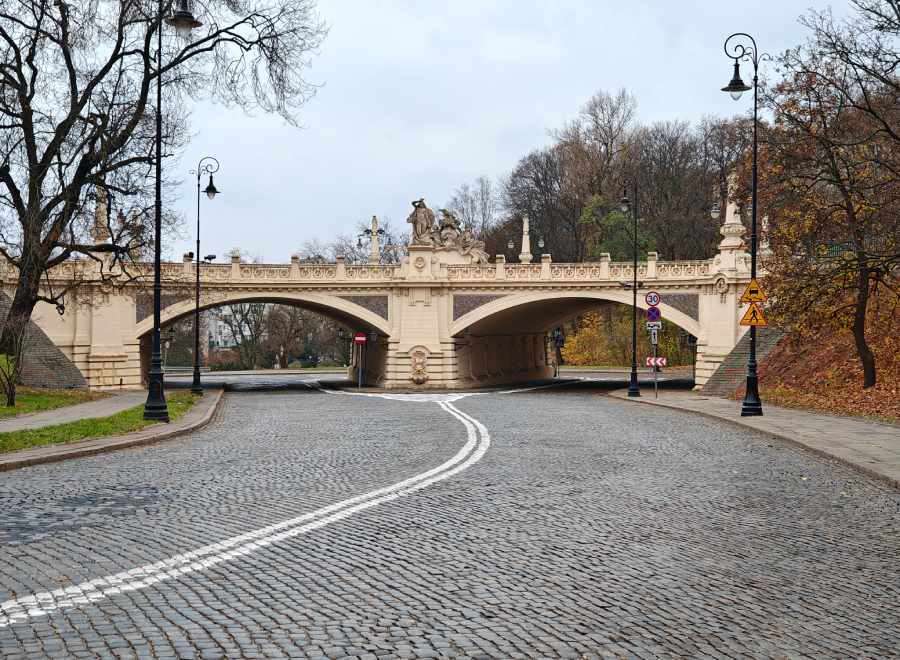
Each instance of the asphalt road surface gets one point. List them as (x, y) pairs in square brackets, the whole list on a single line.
[(553, 522)]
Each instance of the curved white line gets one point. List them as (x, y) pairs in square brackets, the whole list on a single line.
[(47, 602)]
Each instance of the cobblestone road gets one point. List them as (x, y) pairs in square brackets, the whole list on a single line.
[(589, 527)]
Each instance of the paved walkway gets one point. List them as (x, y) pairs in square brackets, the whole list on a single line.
[(195, 418), (867, 446), (100, 408)]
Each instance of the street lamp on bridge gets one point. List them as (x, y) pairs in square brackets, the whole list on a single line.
[(183, 21), (207, 165), (745, 48), (625, 206)]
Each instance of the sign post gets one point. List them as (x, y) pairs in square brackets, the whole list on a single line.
[(359, 340), (654, 362)]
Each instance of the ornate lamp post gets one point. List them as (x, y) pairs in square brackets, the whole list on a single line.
[(373, 234), (183, 21), (625, 206), (742, 50), (208, 165)]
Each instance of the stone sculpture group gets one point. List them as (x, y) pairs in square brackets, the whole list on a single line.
[(448, 234)]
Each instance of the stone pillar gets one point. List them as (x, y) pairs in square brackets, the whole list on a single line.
[(501, 267), (374, 249), (525, 254), (604, 265), (235, 264), (341, 273), (295, 266), (652, 258), (545, 266)]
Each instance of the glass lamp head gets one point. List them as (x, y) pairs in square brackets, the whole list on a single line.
[(737, 86), (211, 190)]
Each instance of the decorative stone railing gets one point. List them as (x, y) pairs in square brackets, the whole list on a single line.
[(604, 271), (545, 270)]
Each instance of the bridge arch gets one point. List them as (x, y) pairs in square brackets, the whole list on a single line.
[(349, 313), (541, 311)]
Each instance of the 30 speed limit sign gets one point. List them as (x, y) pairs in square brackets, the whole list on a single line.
[(652, 298)]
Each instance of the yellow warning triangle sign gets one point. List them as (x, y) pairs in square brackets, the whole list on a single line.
[(754, 316), (753, 293)]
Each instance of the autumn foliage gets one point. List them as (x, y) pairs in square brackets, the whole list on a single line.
[(603, 338), (819, 372)]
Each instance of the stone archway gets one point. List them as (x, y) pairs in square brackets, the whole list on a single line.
[(344, 311), (504, 339)]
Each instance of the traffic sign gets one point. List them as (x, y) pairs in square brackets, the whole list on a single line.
[(653, 314), (654, 336), (359, 338), (753, 293), (656, 361), (653, 325), (754, 316), (652, 298)]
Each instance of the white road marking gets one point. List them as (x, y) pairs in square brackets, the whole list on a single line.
[(48, 602)]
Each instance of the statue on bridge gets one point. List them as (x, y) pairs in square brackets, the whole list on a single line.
[(449, 235), (422, 221)]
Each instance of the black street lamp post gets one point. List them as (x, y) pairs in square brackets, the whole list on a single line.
[(156, 408), (626, 206), (751, 405), (208, 165)]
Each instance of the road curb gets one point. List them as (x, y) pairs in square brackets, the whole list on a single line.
[(198, 417), (890, 481)]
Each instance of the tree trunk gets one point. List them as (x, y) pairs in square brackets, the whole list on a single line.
[(866, 357), (10, 394), (20, 311)]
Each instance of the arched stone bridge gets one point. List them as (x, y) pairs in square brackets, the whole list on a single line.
[(440, 323)]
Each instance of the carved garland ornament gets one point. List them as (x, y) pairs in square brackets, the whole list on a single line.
[(419, 365)]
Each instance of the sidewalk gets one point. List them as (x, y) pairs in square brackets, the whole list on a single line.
[(198, 416), (870, 447), (100, 408)]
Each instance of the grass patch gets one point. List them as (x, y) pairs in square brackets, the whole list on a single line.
[(100, 427), (29, 400)]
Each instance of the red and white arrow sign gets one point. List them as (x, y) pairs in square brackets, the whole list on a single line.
[(656, 362)]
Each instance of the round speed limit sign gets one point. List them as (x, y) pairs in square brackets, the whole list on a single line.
[(652, 298)]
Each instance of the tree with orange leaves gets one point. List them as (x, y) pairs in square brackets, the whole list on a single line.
[(829, 190)]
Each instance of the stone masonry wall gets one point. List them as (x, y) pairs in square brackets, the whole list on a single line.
[(45, 365), (732, 373)]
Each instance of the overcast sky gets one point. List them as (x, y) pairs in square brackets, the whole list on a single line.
[(420, 96)]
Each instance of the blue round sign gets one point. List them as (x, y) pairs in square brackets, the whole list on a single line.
[(653, 314)]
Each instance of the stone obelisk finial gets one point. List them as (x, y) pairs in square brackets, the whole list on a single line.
[(525, 254), (374, 248)]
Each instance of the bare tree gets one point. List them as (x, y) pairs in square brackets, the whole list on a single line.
[(355, 249), (476, 206), (286, 326), (246, 324), (77, 117), (541, 187)]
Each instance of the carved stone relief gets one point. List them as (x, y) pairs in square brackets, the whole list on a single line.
[(418, 365)]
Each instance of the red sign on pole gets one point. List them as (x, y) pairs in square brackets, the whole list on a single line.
[(656, 361), (359, 338)]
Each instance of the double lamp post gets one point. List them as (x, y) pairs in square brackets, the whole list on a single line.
[(182, 19)]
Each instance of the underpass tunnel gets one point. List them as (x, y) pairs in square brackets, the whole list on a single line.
[(515, 343), (372, 357), (512, 345)]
